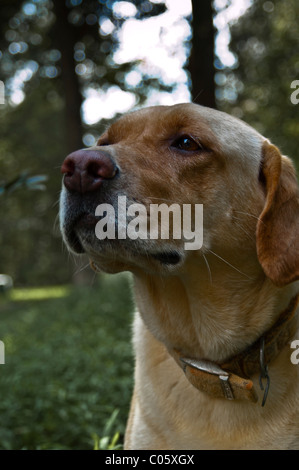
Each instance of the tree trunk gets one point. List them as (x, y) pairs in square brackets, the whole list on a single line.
[(65, 32), (66, 40), (201, 61)]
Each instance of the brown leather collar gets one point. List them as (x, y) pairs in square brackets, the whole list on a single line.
[(231, 380)]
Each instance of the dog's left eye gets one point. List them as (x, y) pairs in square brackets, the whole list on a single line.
[(186, 143)]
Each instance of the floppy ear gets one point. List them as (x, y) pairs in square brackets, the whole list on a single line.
[(278, 225)]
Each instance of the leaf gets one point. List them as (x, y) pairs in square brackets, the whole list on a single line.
[(96, 441), (22, 180), (109, 424), (103, 443), (113, 445)]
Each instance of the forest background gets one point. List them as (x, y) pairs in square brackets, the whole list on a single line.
[(70, 67), (67, 69)]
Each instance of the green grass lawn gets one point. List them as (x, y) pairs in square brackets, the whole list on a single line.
[(68, 365)]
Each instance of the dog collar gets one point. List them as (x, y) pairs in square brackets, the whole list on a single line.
[(231, 380)]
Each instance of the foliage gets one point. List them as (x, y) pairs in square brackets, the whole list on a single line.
[(106, 442), (68, 366), (34, 134), (23, 181), (31, 138), (265, 42), (33, 38)]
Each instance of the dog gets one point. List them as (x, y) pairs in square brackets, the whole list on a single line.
[(216, 326)]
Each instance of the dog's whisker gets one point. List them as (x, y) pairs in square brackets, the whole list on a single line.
[(162, 199), (83, 267), (208, 267), (55, 203), (194, 100), (94, 279), (56, 223), (229, 264), (248, 213), (250, 236)]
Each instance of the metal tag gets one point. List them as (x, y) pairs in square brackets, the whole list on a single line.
[(214, 369), (206, 366)]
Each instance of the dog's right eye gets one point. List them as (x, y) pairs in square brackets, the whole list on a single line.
[(187, 144)]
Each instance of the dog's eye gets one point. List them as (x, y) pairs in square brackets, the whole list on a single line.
[(186, 143), (102, 143)]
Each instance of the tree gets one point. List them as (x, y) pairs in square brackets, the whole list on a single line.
[(201, 60), (265, 41), (71, 42)]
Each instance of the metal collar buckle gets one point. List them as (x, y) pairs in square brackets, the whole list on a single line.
[(211, 368)]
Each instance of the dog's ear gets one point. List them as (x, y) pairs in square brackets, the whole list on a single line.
[(278, 225)]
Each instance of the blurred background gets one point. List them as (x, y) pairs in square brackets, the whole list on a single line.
[(67, 69)]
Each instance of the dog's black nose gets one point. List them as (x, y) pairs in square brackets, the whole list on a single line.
[(85, 170)]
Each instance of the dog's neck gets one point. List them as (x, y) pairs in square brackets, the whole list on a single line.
[(211, 309)]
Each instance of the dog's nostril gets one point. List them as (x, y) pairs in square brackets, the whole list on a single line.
[(94, 169), (100, 169), (68, 167)]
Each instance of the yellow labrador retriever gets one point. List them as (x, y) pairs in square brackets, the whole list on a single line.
[(216, 324)]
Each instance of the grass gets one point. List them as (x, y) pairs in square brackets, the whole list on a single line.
[(68, 366)]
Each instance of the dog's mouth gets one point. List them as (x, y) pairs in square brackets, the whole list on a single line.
[(80, 236), (86, 223), (167, 257)]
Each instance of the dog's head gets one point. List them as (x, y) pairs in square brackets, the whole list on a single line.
[(184, 169)]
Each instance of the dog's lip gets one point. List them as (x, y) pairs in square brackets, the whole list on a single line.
[(82, 221), (86, 220), (74, 243), (167, 257)]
